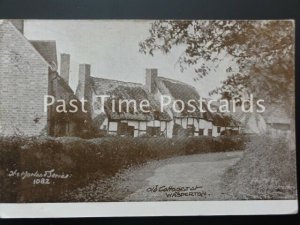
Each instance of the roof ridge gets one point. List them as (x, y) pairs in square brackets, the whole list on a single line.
[(43, 40), (114, 80), (177, 81)]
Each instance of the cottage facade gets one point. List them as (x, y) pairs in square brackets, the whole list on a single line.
[(224, 124)]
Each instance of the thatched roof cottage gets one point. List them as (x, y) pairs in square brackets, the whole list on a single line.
[(195, 123), (120, 121), (224, 124)]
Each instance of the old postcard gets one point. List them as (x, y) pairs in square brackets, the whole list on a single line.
[(147, 117)]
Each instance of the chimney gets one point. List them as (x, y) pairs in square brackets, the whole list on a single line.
[(83, 76), (151, 74), (65, 66), (19, 24)]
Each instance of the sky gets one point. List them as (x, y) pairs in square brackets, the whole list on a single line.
[(111, 48)]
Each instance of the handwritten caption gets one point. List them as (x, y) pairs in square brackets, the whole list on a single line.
[(45, 177), (178, 191)]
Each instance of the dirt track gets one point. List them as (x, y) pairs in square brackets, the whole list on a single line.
[(194, 177)]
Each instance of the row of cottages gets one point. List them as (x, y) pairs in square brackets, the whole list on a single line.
[(122, 121), (28, 72), (168, 123)]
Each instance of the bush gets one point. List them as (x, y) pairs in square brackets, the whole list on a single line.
[(207, 144), (86, 160)]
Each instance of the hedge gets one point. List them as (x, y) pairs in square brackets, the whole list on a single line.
[(86, 160)]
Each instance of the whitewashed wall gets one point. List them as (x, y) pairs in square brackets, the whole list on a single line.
[(113, 128), (104, 125), (170, 126), (215, 131), (202, 124), (140, 127)]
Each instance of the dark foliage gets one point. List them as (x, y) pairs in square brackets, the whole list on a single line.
[(262, 53)]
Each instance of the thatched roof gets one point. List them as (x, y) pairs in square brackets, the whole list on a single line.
[(102, 86), (119, 90), (184, 92), (225, 120)]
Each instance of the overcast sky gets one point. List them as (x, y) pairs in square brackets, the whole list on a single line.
[(111, 47)]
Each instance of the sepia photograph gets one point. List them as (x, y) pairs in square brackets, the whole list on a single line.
[(147, 111)]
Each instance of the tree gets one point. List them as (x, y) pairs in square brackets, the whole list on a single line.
[(262, 53)]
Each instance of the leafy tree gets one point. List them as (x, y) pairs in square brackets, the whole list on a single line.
[(262, 53)]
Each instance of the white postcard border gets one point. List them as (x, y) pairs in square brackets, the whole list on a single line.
[(125, 209)]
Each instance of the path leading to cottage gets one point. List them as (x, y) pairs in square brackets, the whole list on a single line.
[(192, 177)]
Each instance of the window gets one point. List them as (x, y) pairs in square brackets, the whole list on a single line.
[(190, 130), (156, 115), (201, 132), (124, 129), (209, 132), (153, 131), (218, 129)]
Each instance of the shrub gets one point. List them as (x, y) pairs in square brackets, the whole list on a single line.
[(207, 144)]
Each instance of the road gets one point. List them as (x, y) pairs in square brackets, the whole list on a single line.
[(193, 177)]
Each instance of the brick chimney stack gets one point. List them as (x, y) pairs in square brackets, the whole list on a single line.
[(19, 24), (151, 74), (65, 66), (83, 79)]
